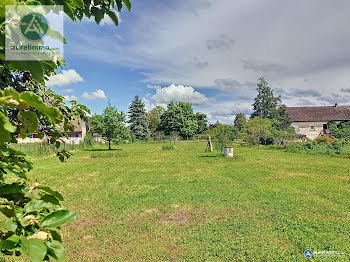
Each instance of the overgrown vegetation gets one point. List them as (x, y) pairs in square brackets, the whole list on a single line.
[(321, 146), (342, 131)]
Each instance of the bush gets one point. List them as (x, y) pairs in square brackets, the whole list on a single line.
[(88, 139), (324, 139), (168, 147), (338, 147)]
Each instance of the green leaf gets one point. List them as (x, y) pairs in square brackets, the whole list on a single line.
[(50, 199), (10, 243), (35, 101), (8, 226), (6, 124), (58, 218), (55, 250), (35, 248), (37, 205), (56, 194), (113, 16), (78, 3), (29, 122), (99, 14), (128, 4)]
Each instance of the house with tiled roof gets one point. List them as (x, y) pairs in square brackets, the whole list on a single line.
[(74, 137), (312, 121)]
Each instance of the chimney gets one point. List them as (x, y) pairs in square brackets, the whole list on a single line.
[(336, 105)]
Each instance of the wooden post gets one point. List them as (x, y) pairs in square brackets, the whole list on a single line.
[(209, 145)]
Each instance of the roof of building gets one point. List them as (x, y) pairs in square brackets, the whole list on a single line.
[(319, 113), (79, 125)]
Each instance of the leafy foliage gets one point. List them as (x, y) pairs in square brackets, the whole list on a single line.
[(324, 147), (34, 212), (202, 122), (342, 131), (111, 125), (153, 118), (179, 117), (266, 131), (265, 104), (88, 139), (224, 135), (138, 119), (240, 121)]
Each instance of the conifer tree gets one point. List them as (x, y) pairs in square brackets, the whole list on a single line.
[(138, 119)]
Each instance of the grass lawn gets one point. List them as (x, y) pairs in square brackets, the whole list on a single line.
[(140, 203)]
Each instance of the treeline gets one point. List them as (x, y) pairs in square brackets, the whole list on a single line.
[(268, 124), (177, 120)]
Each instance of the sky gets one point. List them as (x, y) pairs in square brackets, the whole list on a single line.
[(210, 53)]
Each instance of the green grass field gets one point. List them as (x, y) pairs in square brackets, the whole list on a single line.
[(141, 203)]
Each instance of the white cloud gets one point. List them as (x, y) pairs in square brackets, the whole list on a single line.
[(70, 98), (98, 94), (65, 78), (179, 93), (68, 90)]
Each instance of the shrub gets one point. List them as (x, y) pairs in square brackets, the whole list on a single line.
[(168, 147), (324, 139), (88, 139)]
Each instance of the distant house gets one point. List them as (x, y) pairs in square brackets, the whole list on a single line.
[(313, 121), (75, 137)]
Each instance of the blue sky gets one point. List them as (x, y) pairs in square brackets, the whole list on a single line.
[(210, 53)]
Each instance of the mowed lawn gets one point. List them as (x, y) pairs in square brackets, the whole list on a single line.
[(140, 203)]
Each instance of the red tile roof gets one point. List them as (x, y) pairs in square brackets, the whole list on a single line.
[(319, 113)]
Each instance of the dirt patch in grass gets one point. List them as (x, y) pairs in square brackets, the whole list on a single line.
[(86, 223), (176, 218)]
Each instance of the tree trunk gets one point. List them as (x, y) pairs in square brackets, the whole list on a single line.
[(109, 144)]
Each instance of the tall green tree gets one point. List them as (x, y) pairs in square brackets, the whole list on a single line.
[(202, 123), (179, 117), (138, 119), (240, 121), (111, 125), (31, 214), (153, 118), (265, 104)]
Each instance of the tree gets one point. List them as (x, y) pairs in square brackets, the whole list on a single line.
[(31, 214), (111, 125), (153, 118), (240, 121), (138, 119), (224, 135), (202, 123), (258, 129), (265, 104), (179, 117), (341, 131)]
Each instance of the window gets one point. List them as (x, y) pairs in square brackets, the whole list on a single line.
[(312, 127), (76, 135), (296, 127)]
